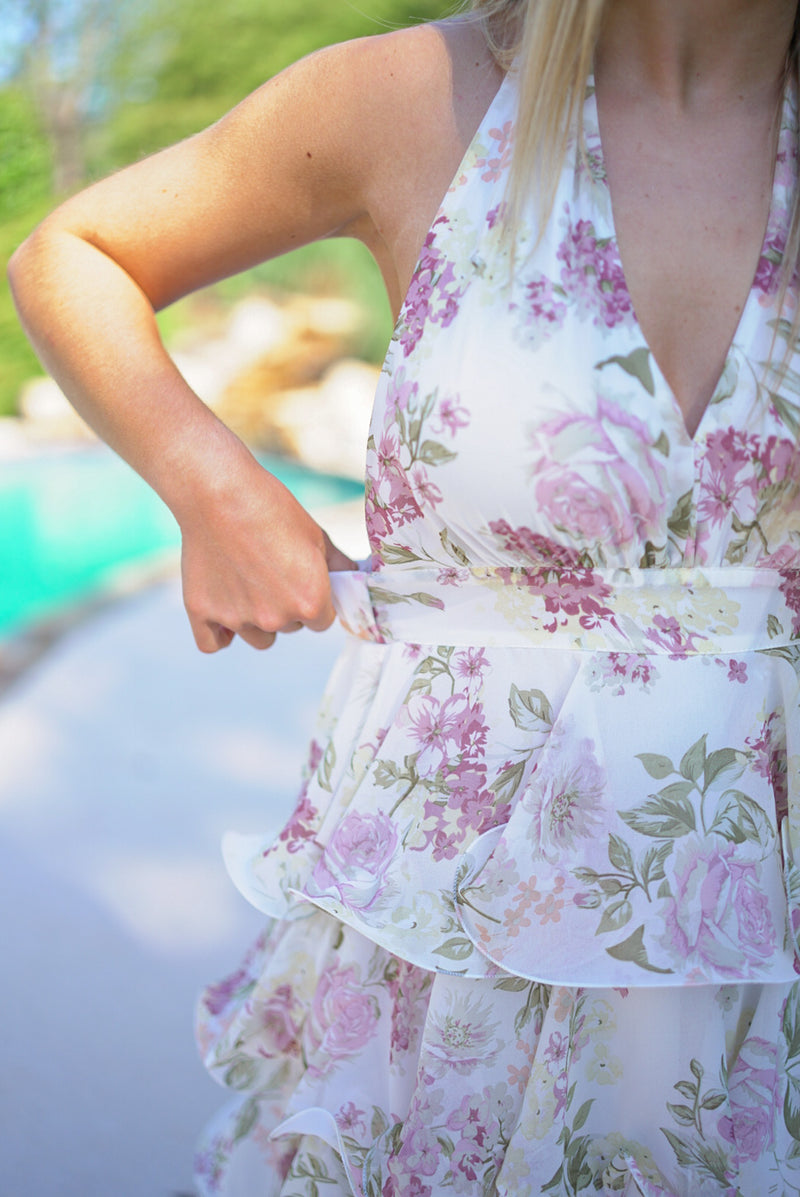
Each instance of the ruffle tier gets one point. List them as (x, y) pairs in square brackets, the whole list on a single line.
[(594, 800), (571, 832)]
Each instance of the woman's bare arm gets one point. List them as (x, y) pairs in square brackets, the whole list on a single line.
[(329, 147)]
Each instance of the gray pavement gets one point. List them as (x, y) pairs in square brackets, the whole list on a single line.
[(124, 756)]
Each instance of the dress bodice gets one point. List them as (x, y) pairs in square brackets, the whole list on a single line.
[(521, 411)]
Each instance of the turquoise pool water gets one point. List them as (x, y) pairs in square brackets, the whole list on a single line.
[(69, 522)]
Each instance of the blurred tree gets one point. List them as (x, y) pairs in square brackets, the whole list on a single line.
[(24, 156), (189, 62), (88, 85), (59, 51)]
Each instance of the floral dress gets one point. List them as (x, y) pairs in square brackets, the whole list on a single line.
[(532, 922)]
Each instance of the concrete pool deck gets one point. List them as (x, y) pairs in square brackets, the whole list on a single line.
[(124, 756)]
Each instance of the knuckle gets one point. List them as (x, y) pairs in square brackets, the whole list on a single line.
[(313, 603)]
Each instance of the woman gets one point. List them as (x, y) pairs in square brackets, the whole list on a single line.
[(531, 930)]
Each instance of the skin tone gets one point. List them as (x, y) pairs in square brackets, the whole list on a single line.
[(688, 95), (363, 140)]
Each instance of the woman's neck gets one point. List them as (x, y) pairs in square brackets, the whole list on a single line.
[(683, 53)]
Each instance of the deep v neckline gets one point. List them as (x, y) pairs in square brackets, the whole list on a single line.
[(740, 332)]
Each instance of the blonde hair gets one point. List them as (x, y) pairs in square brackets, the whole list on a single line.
[(554, 41)]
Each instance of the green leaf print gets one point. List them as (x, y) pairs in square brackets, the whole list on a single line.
[(656, 765), (615, 916), (395, 554), (619, 854), (241, 1074), (662, 444), (379, 1122), (740, 819), (457, 948), (724, 762), (427, 600), (728, 381), (681, 1114), (579, 1174), (512, 984), (385, 597), (387, 774), (530, 709), (654, 556), (535, 1008), (787, 652), (680, 521), (246, 1119), (637, 364), (774, 627), (509, 780), (788, 412), (633, 950), (326, 767), (791, 1037), (432, 453), (666, 815), (582, 1114), (453, 550), (693, 760), (707, 1161), (653, 864)]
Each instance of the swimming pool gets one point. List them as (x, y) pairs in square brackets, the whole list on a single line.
[(70, 521)]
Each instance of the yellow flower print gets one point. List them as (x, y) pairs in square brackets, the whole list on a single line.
[(604, 1068), (539, 1107), (599, 1019)]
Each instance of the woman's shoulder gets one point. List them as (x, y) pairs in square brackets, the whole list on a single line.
[(407, 106), (420, 73)]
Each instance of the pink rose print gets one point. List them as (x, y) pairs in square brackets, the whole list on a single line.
[(342, 1019), (718, 919), (753, 1090), (356, 860), (280, 1018), (596, 477)]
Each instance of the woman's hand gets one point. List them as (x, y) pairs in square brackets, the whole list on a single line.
[(254, 562)]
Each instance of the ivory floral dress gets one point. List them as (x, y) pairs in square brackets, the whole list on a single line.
[(532, 920)]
